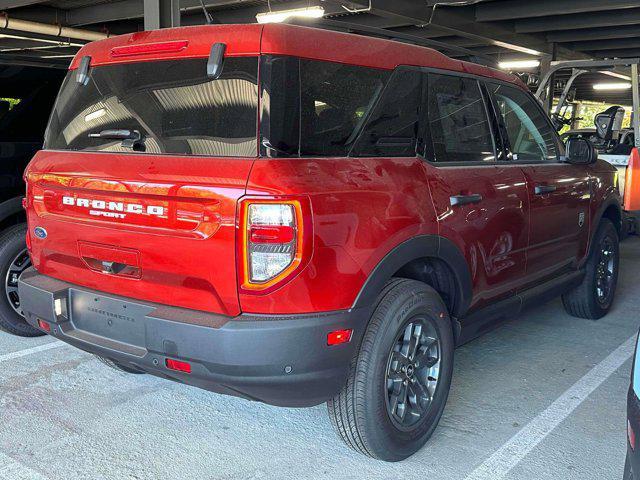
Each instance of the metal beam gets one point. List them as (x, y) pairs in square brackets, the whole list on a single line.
[(515, 9), (7, 4), (161, 14), (628, 31), (628, 53), (570, 22), (621, 43), (131, 9), (451, 21)]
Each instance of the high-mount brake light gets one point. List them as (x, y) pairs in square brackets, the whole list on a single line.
[(149, 48), (273, 241)]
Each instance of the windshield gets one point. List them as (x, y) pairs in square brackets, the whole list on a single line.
[(173, 105)]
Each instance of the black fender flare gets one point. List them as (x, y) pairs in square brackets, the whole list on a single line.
[(597, 218), (10, 207), (433, 246)]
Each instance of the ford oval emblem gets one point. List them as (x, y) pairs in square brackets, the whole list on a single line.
[(40, 232)]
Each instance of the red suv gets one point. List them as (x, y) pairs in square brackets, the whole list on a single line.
[(299, 216)]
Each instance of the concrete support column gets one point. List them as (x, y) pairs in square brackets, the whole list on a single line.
[(161, 14)]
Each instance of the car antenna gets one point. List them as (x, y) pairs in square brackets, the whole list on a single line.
[(207, 16)]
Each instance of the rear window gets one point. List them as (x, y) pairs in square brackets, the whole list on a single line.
[(173, 104)]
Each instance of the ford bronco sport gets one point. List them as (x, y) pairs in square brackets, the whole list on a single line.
[(297, 216)]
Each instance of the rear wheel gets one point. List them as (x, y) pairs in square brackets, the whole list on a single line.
[(118, 366), (593, 298), (14, 259), (399, 381)]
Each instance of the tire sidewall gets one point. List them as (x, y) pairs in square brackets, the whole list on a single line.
[(387, 440), (605, 229), (12, 242)]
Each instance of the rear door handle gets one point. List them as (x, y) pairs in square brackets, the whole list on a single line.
[(465, 199), (543, 189)]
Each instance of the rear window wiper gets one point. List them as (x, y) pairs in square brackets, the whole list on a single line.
[(132, 139)]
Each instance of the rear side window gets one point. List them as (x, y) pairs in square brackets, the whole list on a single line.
[(530, 135), (458, 121), (315, 108), (173, 104), (393, 129)]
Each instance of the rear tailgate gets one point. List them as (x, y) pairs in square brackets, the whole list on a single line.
[(156, 228)]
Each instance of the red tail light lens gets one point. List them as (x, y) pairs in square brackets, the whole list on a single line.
[(275, 241), (632, 436), (149, 48), (177, 365)]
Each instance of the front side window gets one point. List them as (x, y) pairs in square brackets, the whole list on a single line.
[(531, 137), (458, 121), (315, 108), (173, 105)]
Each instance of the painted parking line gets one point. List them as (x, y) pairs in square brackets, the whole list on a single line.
[(30, 351), (11, 469), (498, 465)]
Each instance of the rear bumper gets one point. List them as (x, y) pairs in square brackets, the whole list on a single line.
[(280, 360)]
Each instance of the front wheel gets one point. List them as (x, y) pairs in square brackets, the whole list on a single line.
[(14, 259), (399, 381), (593, 298)]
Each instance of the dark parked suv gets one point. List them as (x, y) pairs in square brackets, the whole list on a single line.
[(299, 216), (27, 95)]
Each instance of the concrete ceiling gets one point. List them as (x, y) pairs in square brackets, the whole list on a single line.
[(481, 30)]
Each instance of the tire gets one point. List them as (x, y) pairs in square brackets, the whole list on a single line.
[(628, 474), (13, 260), (367, 413), (118, 366), (590, 299)]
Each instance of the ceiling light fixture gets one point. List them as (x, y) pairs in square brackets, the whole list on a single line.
[(283, 15), (612, 86), (519, 64)]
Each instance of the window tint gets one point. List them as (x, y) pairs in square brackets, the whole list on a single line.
[(458, 121), (173, 104), (315, 108), (334, 101), (529, 133), (393, 128)]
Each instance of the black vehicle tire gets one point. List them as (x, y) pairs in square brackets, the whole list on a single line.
[(367, 413), (593, 298), (628, 474), (13, 260), (118, 366)]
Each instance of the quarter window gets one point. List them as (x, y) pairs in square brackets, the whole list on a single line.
[(530, 136), (458, 122)]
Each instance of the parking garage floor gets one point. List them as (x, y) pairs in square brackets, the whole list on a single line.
[(542, 397)]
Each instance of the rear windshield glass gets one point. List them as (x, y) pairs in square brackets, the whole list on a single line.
[(173, 105)]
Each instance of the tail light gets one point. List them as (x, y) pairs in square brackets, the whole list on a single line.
[(275, 241)]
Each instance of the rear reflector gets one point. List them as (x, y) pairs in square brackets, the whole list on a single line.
[(44, 326), (149, 48), (177, 365), (338, 337), (632, 436)]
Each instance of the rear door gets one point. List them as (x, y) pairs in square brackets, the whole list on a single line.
[(481, 200), (559, 193), (151, 216)]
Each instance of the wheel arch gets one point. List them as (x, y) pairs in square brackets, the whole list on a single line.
[(432, 259), (11, 213)]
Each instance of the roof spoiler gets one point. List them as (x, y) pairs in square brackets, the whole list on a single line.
[(216, 60)]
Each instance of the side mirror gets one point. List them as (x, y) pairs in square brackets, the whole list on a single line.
[(581, 151)]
